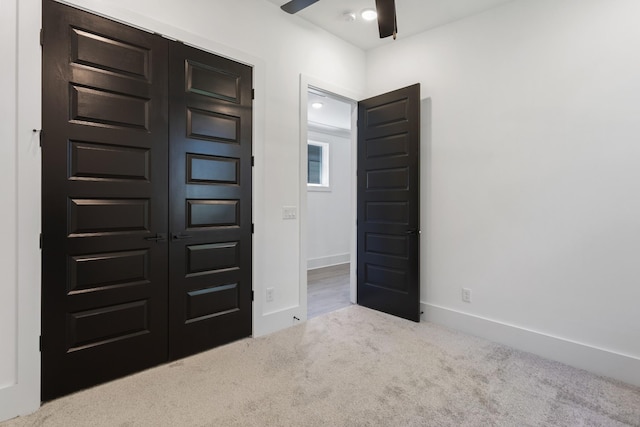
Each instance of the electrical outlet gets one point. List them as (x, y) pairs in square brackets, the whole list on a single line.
[(270, 294), (466, 294)]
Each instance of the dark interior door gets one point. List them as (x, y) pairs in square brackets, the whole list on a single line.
[(104, 287), (389, 203), (210, 212)]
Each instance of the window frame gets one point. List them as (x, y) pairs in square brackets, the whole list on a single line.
[(325, 166)]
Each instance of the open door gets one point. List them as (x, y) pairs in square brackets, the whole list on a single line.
[(389, 203)]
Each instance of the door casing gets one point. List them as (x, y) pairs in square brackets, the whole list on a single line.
[(307, 82)]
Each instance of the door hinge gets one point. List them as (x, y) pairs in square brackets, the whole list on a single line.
[(253, 94), (253, 161), (40, 240), (41, 37), (253, 228), (40, 343), (40, 137), (252, 295)]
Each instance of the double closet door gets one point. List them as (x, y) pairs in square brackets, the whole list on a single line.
[(146, 191)]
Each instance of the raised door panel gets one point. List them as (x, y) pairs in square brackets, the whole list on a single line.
[(97, 161)]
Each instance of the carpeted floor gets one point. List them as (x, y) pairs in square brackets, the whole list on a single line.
[(353, 367)]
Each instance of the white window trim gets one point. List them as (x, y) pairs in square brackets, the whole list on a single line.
[(326, 166)]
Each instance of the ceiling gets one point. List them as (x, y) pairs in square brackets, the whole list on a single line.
[(413, 16)]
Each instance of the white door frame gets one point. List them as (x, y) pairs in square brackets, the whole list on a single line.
[(305, 83)]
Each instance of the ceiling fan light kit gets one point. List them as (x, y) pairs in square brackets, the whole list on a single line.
[(385, 10)]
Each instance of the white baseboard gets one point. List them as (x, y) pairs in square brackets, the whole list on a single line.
[(328, 261), (600, 361)]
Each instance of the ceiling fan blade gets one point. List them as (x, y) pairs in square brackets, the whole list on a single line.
[(387, 23), (295, 6)]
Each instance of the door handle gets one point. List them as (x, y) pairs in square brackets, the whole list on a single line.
[(414, 231), (159, 237), (178, 236)]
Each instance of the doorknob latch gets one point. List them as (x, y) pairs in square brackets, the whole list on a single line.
[(178, 236), (414, 232), (159, 237)]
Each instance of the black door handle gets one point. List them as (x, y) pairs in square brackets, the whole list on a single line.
[(159, 237), (178, 236)]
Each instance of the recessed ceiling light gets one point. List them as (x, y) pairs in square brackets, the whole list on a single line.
[(317, 105), (369, 14)]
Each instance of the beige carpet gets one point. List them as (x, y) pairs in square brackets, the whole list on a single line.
[(353, 367)]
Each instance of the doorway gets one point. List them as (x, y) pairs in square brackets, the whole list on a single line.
[(385, 229), (329, 195)]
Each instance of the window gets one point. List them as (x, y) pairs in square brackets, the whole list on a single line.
[(318, 164)]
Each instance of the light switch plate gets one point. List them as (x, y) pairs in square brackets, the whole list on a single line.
[(289, 212)]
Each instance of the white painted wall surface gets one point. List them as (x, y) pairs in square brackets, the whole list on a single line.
[(9, 192), (531, 182), (329, 221)]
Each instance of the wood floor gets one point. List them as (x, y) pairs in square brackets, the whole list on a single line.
[(327, 289)]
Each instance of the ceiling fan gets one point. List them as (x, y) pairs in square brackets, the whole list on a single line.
[(387, 23)]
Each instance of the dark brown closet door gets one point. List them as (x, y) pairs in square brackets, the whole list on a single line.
[(210, 192), (104, 287)]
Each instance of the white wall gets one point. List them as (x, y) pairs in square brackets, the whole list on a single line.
[(531, 177), (329, 222), (280, 47), (20, 208), (9, 191)]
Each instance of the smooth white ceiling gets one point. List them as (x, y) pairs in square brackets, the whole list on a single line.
[(414, 16)]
